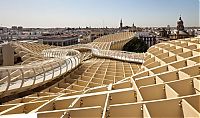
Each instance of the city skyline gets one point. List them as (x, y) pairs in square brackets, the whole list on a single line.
[(96, 13)]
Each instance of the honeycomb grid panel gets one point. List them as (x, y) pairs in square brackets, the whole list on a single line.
[(167, 84)]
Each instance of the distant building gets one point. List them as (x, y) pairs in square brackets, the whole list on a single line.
[(149, 40), (59, 40), (164, 32), (133, 28), (180, 32), (14, 27), (96, 34), (20, 28)]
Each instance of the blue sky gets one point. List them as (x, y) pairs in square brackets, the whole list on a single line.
[(97, 13)]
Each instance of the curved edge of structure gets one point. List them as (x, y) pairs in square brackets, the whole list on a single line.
[(16, 79)]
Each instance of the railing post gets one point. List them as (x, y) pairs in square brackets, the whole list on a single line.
[(59, 67), (66, 65), (75, 60), (22, 78), (44, 73), (34, 76), (52, 68), (71, 63)]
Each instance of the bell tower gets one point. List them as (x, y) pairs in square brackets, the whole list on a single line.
[(121, 24)]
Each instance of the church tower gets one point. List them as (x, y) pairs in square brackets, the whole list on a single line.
[(180, 26), (133, 25), (134, 28), (121, 24)]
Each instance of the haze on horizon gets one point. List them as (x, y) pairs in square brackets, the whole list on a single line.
[(98, 13)]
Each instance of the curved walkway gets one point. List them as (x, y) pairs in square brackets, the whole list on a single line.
[(114, 54), (120, 55), (52, 63), (23, 77)]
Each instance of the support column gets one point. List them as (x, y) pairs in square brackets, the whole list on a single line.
[(8, 55)]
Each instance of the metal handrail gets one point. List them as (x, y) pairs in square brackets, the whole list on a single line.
[(120, 55)]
